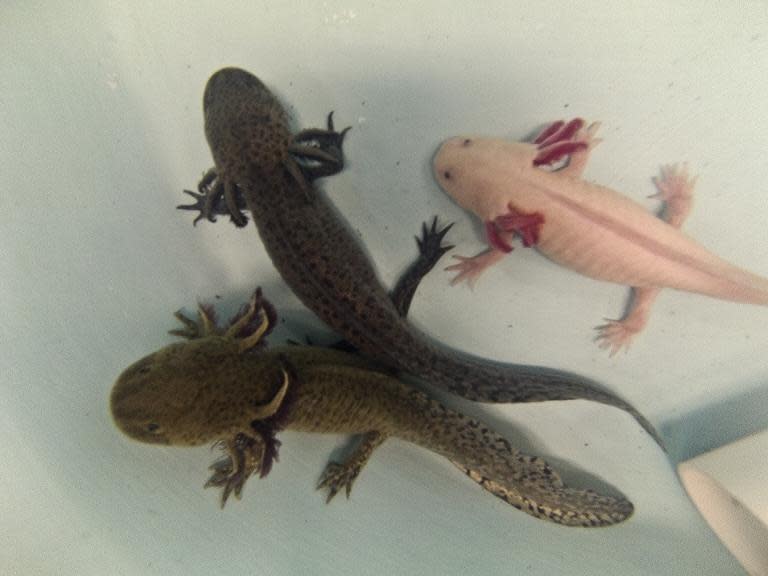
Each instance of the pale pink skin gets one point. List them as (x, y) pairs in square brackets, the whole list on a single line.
[(586, 227)]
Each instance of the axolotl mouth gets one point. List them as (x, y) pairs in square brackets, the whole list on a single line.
[(128, 403)]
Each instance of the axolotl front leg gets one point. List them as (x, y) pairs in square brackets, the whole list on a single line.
[(675, 188), (561, 147)]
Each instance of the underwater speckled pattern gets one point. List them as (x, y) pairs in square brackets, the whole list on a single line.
[(314, 251)]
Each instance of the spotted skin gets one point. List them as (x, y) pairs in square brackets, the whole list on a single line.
[(221, 385), (324, 264)]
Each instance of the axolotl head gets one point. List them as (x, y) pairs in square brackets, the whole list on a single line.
[(477, 172), (245, 125), (185, 394)]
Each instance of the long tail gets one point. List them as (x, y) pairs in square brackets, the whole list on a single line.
[(326, 267), (562, 505), (486, 381), (738, 285), (526, 482)]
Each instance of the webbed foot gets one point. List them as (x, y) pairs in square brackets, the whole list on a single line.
[(337, 477), (198, 204), (431, 249), (430, 244), (341, 476), (470, 268), (246, 454), (318, 152), (214, 198), (675, 187), (615, 335)]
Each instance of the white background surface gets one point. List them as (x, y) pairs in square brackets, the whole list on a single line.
[(102, 129), (728, 485)]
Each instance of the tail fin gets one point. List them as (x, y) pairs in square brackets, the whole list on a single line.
[(486, 381), (558, 503), (526, 482)]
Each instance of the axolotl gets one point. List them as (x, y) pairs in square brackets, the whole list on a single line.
[(262, 166), (222, 387), (534, 190)]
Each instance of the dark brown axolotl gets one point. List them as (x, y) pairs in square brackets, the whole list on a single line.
[(260, 165), (221, 386)]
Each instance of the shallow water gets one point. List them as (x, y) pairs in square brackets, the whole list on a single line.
[(102, 122)]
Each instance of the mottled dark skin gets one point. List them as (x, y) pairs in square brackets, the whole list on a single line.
[(259, 164), (221, 387)]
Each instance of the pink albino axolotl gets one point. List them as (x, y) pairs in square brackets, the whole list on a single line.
[(514, 189)]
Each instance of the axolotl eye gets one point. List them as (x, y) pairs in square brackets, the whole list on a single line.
[(447, 174), (467, 142), (153, 428)]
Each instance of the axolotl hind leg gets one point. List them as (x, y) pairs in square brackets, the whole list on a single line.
[(675, 187), (341, 476), (431, 249)]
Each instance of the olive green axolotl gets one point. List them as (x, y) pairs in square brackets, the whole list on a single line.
[(260, 165), (222, 386)]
